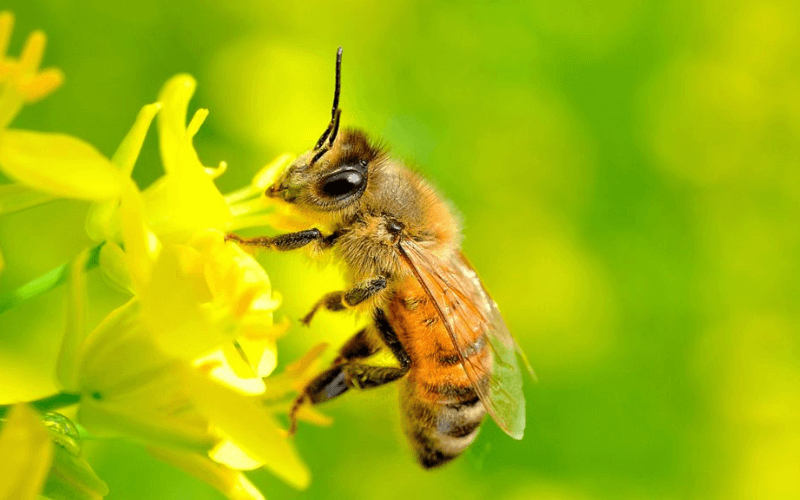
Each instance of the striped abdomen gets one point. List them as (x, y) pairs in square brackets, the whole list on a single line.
[(441, 410)]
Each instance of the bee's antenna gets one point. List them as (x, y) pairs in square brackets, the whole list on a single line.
[(338, 82), (334, 123), (336, 117)]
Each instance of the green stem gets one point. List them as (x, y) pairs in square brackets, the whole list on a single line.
[(49, 403), (45, 282)]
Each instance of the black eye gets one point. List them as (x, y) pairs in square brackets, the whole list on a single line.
[(343, 184)]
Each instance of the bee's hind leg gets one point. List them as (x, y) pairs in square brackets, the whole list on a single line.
[(337, 380), (347, 370)]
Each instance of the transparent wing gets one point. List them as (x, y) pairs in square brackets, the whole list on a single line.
[(465, 310)]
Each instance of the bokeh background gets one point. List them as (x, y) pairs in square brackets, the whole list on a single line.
[(629, 176)]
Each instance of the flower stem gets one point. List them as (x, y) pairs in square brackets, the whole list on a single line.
[(49, 403), (46, 282)]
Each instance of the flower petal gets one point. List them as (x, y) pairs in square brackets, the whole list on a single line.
[(141, 245), (180, 204), (26, 453), (216, 365), (18, 197), (114, 266), (231, 483), (75, 334), (175, 95), (119, 419), (245, 421), (173, 306), (128, 151), (270, 173), (6, 27), (58, 164), (228, 453)]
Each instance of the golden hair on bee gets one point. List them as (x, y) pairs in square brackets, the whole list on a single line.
[(400, 244)]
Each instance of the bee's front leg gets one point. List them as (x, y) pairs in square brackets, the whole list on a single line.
[(285, 242)]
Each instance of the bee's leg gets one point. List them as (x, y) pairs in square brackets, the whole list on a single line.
[(347, 372), (360, 346), (284, 242), (343, 299), (335, 381)]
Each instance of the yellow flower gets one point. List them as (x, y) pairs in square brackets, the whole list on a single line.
[(181, 365), (21, 79), (198, 333), (75, 169)]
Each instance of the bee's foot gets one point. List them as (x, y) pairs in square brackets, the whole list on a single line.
[(306, 320)]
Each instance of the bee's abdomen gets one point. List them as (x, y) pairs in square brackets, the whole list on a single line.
[(440, 430), (441, 409)]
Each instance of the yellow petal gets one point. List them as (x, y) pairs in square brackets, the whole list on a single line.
[(2, 261), (233, 484), (175, 96), (245, 421), (143, 424), (114, 266), (26, 453), (252, 358), (182, 203), (226, 452), (6, 27), (174, 310), (243, 378), (119, 354), (270, 173), (75, 334), (57, 164), (102, 221), (128, 151), (141, 245), (17, 197)]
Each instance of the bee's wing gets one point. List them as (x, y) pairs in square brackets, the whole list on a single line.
[(465, 308)]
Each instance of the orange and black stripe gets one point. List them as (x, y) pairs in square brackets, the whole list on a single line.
[(441, 408)]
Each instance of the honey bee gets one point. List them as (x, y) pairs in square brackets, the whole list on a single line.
[(400, 243)]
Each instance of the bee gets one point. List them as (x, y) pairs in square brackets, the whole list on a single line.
[(400, 245)]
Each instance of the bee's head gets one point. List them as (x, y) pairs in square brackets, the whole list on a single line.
[(329, 179), (334, 174)]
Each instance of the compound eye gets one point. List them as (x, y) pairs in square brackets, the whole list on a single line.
[(343, 184)]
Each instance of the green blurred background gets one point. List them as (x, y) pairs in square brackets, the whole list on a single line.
[(629, 176)]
